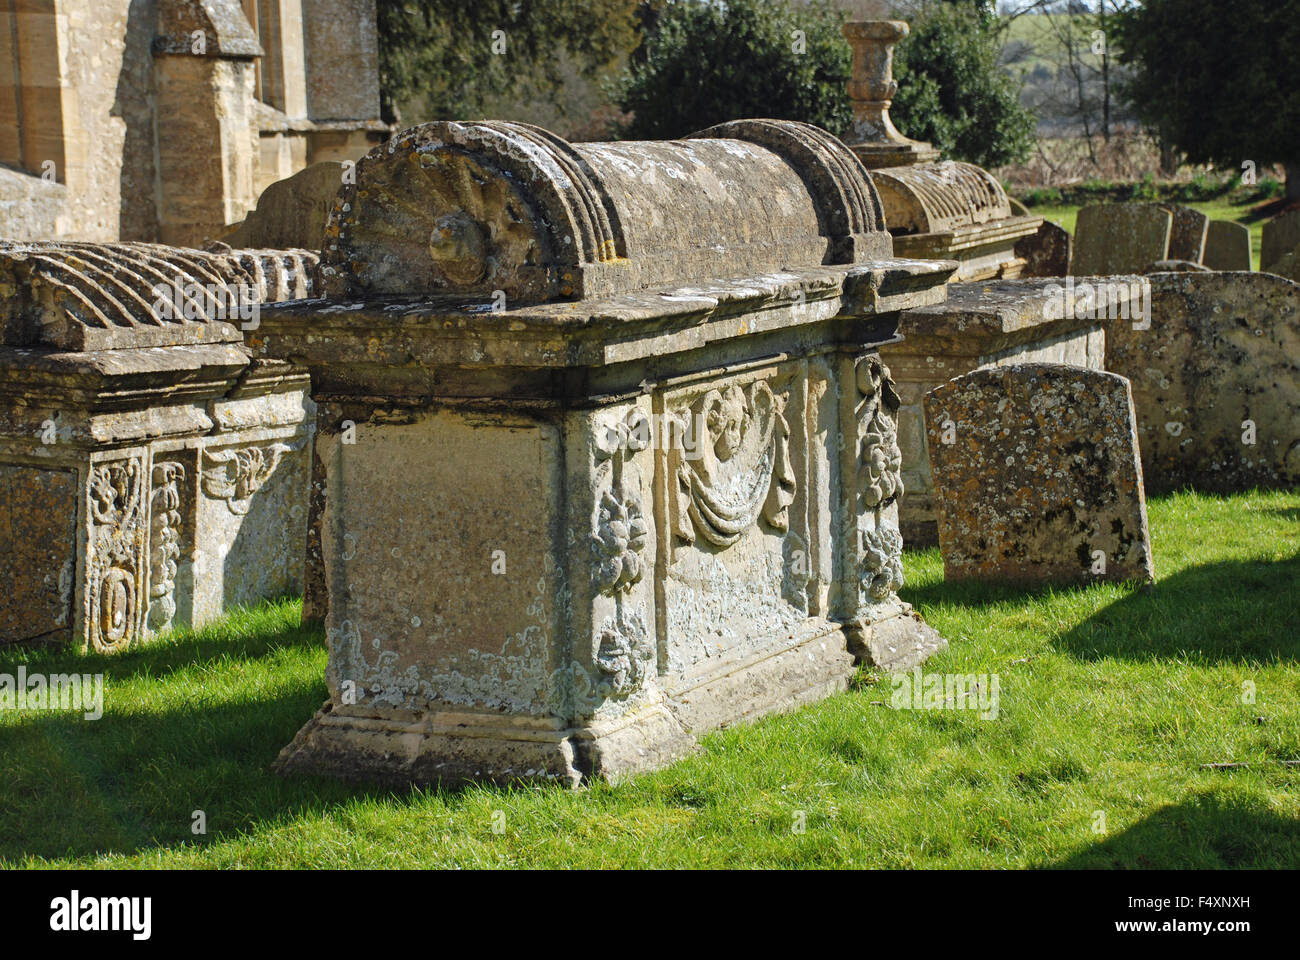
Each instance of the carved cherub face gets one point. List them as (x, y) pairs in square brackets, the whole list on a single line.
[(458, 246), (728, 418)]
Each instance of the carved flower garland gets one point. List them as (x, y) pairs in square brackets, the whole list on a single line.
[(620, 538), (882, 459)]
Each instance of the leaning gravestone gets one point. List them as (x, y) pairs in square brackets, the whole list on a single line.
[(1037, 475), (1281, 236), (1227, 246), (291, 212), (1216, 380), (1187, 233), (1120, 238), (1288, 266), (608, 456), (1002, 322), (1046, 252)]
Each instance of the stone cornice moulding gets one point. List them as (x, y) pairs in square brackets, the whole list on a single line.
[(464, 331)]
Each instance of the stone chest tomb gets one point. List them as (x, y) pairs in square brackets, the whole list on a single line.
[(152, 472), (606, 456)]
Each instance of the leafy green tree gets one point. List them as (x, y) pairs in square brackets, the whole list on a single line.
[(952, 91), (1217, 80), (703, 63), (457, 55)]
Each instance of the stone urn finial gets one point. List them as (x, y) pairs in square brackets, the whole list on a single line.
[(871, 88)]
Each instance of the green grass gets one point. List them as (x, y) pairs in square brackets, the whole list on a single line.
[(1111, 699)]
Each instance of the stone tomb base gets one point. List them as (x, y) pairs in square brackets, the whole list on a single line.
[(650, 492), (550, 597), (450, 746)]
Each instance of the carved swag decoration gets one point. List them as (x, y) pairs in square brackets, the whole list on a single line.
[(880, 478), (619, 534), (736, 465), (235, 475)]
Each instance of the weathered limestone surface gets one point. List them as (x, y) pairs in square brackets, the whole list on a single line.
[(1046, 253), (1037, 475), (153, 472), (606, 456), (1008, 321), (1120, 238), (1216, 380), (149, 119), (342, 59), (291, 213), (1227, 246), (1281, 236)]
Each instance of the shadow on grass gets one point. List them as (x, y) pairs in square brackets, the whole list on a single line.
[(1246, 610), (1204, 833), (1221, 612), (242, 632), (130, 781), (977, 595)]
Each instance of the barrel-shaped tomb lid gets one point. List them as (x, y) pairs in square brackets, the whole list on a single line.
[(488, 207)]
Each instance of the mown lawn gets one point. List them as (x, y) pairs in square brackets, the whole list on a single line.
[(1112, 698)]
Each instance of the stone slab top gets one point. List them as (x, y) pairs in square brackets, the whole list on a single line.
[(991, 315), (126, 379), (470, 330)]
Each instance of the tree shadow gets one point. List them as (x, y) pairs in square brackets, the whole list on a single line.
[(1205, 832), (1232, 611), (132, 780), (980, 594)]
